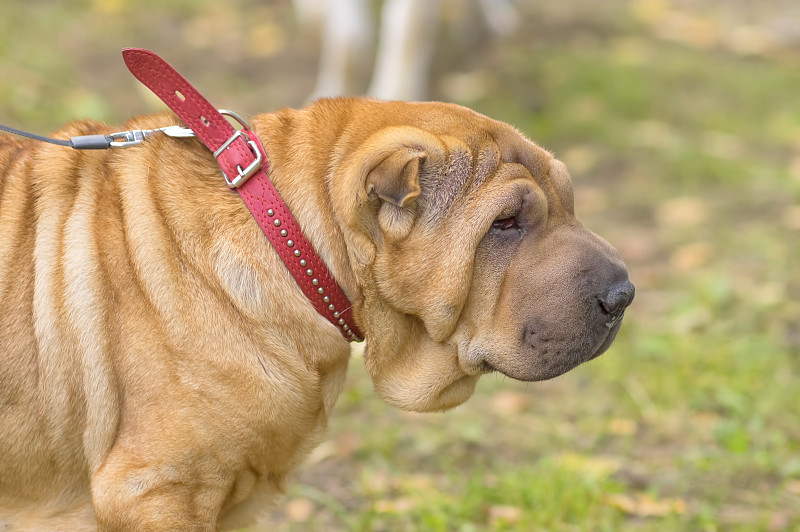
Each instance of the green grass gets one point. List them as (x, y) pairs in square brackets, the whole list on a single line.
[(686, 158)]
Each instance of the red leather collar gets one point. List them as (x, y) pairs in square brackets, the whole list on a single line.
[(244, 163)]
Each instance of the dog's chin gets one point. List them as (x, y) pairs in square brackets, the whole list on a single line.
[(530, 367), (607, 341), (533, 373), (431, 397)]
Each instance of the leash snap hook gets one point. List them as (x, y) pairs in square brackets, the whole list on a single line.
[(126, 139)]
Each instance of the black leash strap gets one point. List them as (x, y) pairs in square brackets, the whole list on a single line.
[(86, 142), (123, 139)]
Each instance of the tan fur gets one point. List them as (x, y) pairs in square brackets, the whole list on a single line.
[(160, 369)]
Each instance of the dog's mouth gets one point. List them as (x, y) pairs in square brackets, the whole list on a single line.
[(485, 368), (535, 366), (613, 329)]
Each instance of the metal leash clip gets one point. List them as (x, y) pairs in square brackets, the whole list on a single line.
[(126, 139), (121, 139)]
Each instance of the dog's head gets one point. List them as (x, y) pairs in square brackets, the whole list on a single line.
[(464, 234)]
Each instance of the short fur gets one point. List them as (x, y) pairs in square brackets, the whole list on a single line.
[(159, 367)]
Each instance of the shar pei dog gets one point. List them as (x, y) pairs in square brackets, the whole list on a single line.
[(161, 370)]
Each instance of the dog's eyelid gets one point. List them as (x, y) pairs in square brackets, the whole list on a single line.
[(505, 223)]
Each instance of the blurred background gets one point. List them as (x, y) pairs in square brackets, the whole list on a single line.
[(680, 124)]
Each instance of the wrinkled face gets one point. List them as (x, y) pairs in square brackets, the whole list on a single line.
[(558, 290), (476, 262)]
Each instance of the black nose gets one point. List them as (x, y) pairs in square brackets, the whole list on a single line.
[(616, 300)]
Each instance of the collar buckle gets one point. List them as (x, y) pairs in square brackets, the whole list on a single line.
[(252, 168)]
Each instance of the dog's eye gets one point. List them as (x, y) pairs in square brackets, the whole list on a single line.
[(505, 223)]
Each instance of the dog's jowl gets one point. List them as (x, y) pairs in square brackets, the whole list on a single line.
[(161, 370)]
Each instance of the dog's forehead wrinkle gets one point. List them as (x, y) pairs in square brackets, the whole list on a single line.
[(446, 183), (486, 164)]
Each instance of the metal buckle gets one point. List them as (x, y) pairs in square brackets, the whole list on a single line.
[(253, 167), (126, 139)]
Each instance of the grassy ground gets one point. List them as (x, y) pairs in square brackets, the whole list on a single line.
[(680, 123)]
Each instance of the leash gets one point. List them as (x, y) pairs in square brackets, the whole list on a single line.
[(244, 163), (122, 139)]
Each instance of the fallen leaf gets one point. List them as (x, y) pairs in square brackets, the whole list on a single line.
[(509, 403), (704, 422), (377, 482), (394, 506), (691, 256), (688, 29), (299, 510), (642, 505), (622, 427), (682, 212), (508, 515), (417, 483)]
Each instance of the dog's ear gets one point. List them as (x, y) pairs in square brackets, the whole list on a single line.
[(396, 178)]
